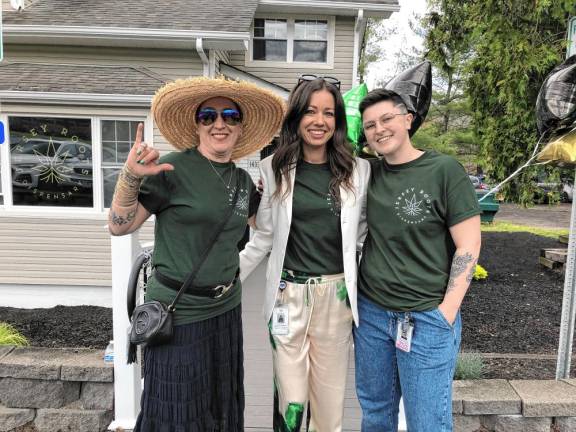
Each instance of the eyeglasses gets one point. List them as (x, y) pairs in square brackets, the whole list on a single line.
[(208, 116), (311, 77), (385, 120)]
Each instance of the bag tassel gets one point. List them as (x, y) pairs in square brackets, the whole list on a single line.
[(132, 351)]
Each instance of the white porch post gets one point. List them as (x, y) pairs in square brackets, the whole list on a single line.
[(127, 381)]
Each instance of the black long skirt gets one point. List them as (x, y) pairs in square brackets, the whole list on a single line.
[(196, 382)]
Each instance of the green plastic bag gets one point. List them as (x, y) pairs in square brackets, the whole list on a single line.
[(352, 99)]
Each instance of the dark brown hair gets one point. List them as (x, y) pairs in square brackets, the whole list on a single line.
[(338, 149)]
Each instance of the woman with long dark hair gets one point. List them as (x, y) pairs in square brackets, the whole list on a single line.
[(310, 219)]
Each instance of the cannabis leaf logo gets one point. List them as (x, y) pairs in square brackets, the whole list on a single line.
[(412, 207), (52, 169)]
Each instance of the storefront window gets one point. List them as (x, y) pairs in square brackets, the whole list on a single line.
[(51, 161)]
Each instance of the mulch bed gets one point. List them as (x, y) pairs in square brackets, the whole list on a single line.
[(517, 309)]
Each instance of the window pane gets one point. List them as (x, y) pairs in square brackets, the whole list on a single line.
[(300, 29), (271, 50), (51, 161), (122, 131), (310, 30), (276, 29), (108, 152), (258, 32), (259, 22), (110, 176), (305, 51), (108, 131)]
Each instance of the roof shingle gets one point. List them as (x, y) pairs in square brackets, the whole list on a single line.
[(63, 78), (213, 15)]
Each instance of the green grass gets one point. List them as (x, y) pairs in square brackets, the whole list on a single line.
[(469, 366), (510, 227), (10, 336)]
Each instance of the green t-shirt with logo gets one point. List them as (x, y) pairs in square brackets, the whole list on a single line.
[(189, 203), (408, 252), (315, 239)]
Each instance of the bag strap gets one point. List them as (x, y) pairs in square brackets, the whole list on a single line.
[(192, 275)]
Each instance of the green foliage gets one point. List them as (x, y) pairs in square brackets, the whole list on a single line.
[(469, 366), (503, 50), (10, 336), (480, 273)]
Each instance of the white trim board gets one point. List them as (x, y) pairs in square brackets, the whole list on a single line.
[(110, 100), (47, 296), (137, 37)]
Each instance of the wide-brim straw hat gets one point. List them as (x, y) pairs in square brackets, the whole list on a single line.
[(174, 108)]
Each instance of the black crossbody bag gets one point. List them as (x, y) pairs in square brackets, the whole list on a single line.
[(151, 323)]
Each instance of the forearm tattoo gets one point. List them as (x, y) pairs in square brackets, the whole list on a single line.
[(459, 265), (117, 219)]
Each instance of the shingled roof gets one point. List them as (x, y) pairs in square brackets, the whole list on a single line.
[(66, 78), (192, 15)]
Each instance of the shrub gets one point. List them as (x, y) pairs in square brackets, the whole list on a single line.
[(10, 336), (480, 272), (469, 366)]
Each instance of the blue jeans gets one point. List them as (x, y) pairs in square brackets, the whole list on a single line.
[(423, 376)]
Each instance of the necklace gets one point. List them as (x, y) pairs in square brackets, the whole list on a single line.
[(227, 186)]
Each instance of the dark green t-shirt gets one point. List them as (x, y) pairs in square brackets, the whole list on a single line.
[(189, 203), (315, 239), (408, 251)]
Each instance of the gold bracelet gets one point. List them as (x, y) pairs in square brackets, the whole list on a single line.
[(127, 188)]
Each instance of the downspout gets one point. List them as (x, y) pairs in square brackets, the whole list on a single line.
[(359, 30), (204, 58)]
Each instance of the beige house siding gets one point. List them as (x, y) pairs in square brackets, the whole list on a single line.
[(51, 250), (287, 77), (221, 56)]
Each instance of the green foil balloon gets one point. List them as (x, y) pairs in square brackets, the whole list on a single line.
[(352, 99)]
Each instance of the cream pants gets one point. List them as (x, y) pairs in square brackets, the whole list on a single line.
[(311, 361)]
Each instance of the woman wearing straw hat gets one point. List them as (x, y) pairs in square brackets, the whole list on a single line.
[(195, 382), (310, 218)]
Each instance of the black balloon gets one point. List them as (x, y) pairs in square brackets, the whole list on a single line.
[(556, 103), (414, 86)]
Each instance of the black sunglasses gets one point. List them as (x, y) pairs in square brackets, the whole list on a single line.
[(311, 77), (208, 116)]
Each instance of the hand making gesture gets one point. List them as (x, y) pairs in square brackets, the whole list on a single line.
[(142, 159)]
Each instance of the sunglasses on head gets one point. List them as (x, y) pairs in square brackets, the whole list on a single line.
[(311, 77), (208, 116)]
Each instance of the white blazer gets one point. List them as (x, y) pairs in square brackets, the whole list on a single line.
[(273, 227)]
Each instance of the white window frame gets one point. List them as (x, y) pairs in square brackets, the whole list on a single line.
[(289, 63), (97, 180)]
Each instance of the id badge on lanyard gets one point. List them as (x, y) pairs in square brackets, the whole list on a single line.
[(280, 316), (404, 330)]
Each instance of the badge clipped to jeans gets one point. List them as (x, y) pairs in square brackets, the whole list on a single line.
[(404, 329), (280, 320)]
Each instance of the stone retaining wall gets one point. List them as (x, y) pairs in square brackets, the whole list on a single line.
[(514, 406), (52, 390)]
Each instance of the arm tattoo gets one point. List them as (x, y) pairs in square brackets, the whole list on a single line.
[(122, 220), (470, 275), (459, 264)]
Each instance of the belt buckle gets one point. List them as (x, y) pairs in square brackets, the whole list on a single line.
[(221, 290)]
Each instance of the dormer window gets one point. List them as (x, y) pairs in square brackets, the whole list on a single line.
[(287, 40)]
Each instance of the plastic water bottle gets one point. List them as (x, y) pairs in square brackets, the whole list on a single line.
[(109, 353)]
